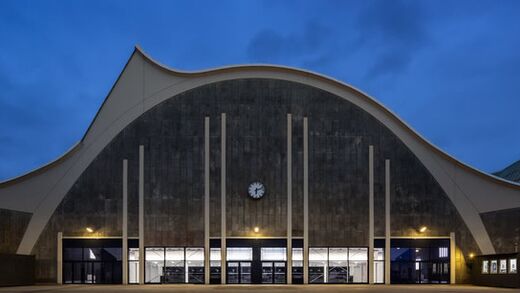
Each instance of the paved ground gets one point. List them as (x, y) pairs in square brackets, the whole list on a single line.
[(244, 289)]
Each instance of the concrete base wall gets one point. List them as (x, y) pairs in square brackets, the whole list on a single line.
[(16, 270)]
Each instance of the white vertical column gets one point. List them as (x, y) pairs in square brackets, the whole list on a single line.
[(59, 259), (206, 202), (453, 258), (141, 214), (371, 214), (125, 222), (289, 199), (305, 201), (388, 234), (223, 231)]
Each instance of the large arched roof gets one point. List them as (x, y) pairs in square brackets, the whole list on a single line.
[(144, 83)]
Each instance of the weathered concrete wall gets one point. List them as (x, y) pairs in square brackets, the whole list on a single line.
[(16, 270), (504, 229), (12, 228), (173, 136)]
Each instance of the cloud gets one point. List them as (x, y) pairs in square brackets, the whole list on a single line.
[(270, 46), (395, 31)]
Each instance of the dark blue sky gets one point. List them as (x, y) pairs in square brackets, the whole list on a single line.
[(450, 69)]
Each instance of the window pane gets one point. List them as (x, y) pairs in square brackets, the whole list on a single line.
[(72, 253), (195, 265), (379, 272), (379, 254), (215, 257), (358, 254), (503, 266), (133, 272), (512, 266), (485, 267), (154, 264), (494, 266), (240, 253), (318, 262), (92, 254), (174, 257), (133, 254), (297, 257), (112, 254), (358, 265), (338, 265), (273, 253)]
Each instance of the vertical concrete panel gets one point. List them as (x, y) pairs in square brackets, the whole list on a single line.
[(305, 200), (223, 228), (388, 221), (206, 203), (289, 199), (125, 222), (371, 214), (59, 259), (141, 214)]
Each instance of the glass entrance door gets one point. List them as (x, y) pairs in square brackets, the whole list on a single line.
[(239, 272), (273, 272)]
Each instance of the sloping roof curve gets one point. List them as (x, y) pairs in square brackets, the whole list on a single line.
[(144, 83)]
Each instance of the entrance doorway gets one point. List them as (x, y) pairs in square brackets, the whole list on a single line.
[(256, 261), (273, 272)]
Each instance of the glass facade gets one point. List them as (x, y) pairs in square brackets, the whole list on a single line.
[(412, 261), (133, 265), (420, 261), (92, 261), (379, 265), (170, 265), (338, 265), (215, 265)]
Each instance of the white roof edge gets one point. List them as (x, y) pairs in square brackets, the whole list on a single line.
[(138, 49), (312, 73)]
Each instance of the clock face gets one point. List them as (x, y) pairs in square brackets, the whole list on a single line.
[(256, 190)]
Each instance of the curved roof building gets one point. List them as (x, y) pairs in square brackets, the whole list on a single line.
[(253, 174)]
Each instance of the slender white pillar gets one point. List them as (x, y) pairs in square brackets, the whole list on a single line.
[(453, 258), (223, 230), (59, 259), (206, 203), (305, 201), (371, 214), (141, 214), (289, 199), (125, 222), (388, 234)]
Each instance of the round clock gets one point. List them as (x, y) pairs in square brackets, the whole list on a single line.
[(256, 190)]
